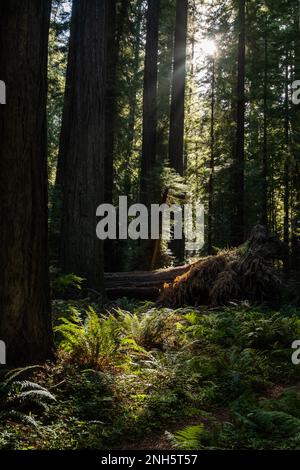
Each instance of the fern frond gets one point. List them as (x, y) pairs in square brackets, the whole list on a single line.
[(190, 438), (18, 417)]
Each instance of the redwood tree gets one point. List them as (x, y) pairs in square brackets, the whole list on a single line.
[(116, 14), (114, 32), (150, 99), (25, 321), (176, 135), (178, 88), (82, 143), (238, 173)]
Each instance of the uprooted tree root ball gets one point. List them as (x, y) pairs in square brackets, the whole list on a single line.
[(246, 273)]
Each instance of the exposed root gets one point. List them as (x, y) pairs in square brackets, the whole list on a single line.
[(244, 274)]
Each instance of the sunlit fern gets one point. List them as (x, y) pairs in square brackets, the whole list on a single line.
[(189, 438)]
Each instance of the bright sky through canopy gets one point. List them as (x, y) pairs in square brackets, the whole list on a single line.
[(207, 47)]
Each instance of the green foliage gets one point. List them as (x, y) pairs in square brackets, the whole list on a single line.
[(64, 282), (91, 340), (213, 379), (95, 340), (253, 426), (153, 329), (19, 397), (191, 437)]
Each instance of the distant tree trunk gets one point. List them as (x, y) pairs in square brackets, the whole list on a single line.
[(189, 99), (150, 99), (264, 209), (286, 223), (82, 143), (25, 320), (237, 229), (176, 136), (211, 164), (114, 32), (133, 101), (166, 46), (295, 126), (110, 96)]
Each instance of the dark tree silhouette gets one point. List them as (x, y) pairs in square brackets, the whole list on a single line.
[(237, 229), (25, 321), (150, 99), (83, 143), (178, 88)]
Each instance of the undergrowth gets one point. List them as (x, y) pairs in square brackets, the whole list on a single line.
[(135, 369)]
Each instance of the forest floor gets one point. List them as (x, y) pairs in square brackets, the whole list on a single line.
[(159, 440), (139, 377)]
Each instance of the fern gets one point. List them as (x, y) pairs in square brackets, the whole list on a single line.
[(92, 340), (63, 282), (275, 422), (18, 397), (153, 329), (190, 438)]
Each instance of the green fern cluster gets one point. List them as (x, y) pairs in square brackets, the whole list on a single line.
[(92, 340), (252, 426), (18, 398), (154, 329), (95, 340), (60, 283)]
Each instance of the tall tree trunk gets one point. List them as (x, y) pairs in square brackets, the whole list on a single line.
[(114, 32), (211, 164), (237, 229), (82, 143), (286, 199), (133, 101), (150, 100), (295, 126), (264, 208), (189, 98), (176, 137), (110, 96), (166, 46), (25, 320)]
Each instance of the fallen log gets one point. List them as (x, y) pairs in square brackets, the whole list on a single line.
[(134, 292), (141, 284), (245, 273)]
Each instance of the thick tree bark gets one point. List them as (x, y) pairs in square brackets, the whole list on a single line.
[(237, 229), (83, 144), (150, 100), (176, 136), (25, 320), (114, 32)]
